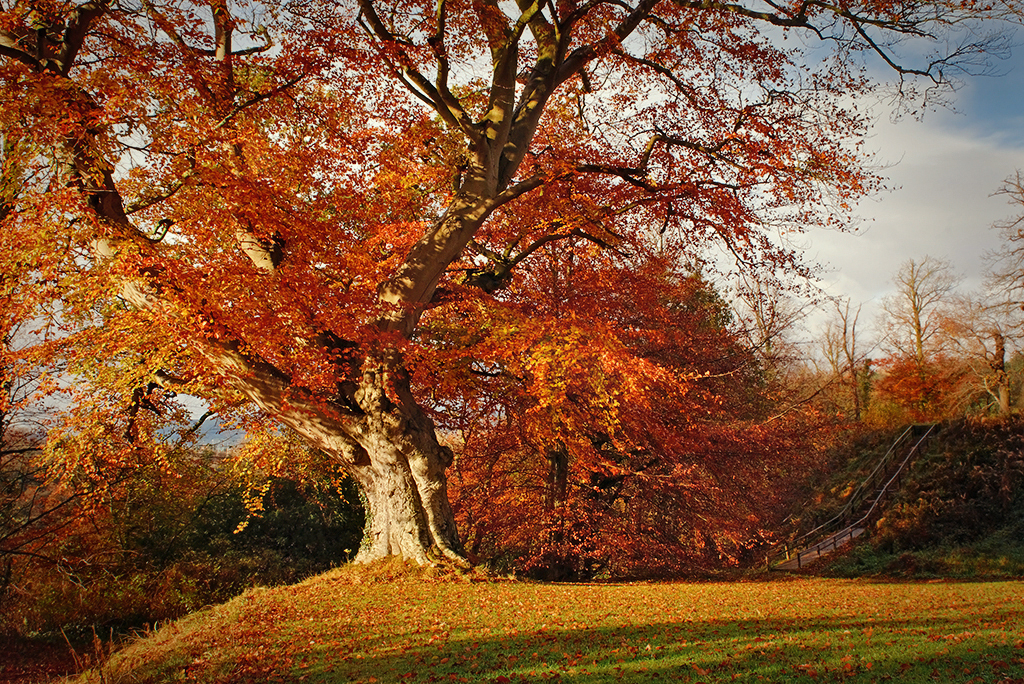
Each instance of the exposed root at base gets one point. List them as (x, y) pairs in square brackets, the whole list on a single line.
[(397, 569)]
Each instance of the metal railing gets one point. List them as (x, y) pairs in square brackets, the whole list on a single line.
[(845, 527), (897, 479)]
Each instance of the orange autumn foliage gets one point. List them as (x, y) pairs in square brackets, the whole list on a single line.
[(626, 450), (269, 207), (937, 390)]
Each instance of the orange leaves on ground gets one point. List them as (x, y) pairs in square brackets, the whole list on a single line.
[(808, 630)]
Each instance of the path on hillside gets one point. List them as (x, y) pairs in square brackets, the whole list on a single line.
[(863, 508)]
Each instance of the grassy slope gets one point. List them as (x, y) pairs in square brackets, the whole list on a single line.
[(959, 513), (345, 627)]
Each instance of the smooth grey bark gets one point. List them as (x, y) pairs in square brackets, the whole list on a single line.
[(383, 439), (404, 482), (377, 429)]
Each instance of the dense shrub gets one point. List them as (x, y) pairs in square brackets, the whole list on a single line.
[(166, 544)]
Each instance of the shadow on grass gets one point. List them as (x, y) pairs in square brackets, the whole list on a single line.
[(710, 651), (805, 631)]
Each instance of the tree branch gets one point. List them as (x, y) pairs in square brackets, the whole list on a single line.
[(256, 99), (450, 109), (10, 46)]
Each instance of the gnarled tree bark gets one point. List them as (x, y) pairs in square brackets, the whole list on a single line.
[(374, 425)]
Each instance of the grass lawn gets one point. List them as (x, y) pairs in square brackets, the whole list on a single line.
[(339, 627)]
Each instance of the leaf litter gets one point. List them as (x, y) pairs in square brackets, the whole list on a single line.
[(425, 629)]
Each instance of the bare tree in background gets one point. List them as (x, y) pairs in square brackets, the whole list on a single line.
[(912, 326), (983, 329), (985, 326), (1006, 266), (914, 340), (771, 312), (843, 350)]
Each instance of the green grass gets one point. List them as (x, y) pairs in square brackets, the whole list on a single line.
[(339, 627), (985, 560)]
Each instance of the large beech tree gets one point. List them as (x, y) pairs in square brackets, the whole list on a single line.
[(262, 204)]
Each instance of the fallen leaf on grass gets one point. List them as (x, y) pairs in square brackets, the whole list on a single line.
[(808, 669)]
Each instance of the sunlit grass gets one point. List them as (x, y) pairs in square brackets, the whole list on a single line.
[(331, 630)]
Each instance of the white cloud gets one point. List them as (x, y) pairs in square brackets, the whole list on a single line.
[(944, 171)]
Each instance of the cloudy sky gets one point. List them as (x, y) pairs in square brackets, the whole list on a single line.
[(943, 171)]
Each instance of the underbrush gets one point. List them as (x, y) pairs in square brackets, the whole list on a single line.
[(999, 555), (78, 600), (958, 514), (120, 570)]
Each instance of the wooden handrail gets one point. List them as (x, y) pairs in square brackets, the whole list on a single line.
[(848, 530)]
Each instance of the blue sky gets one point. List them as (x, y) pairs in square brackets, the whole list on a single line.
[(943, 170)]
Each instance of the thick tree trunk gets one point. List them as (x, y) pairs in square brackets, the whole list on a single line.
[(558, 478), (1004, 399), (405, 489), (407, 514), (401, 473), (385, 441)]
